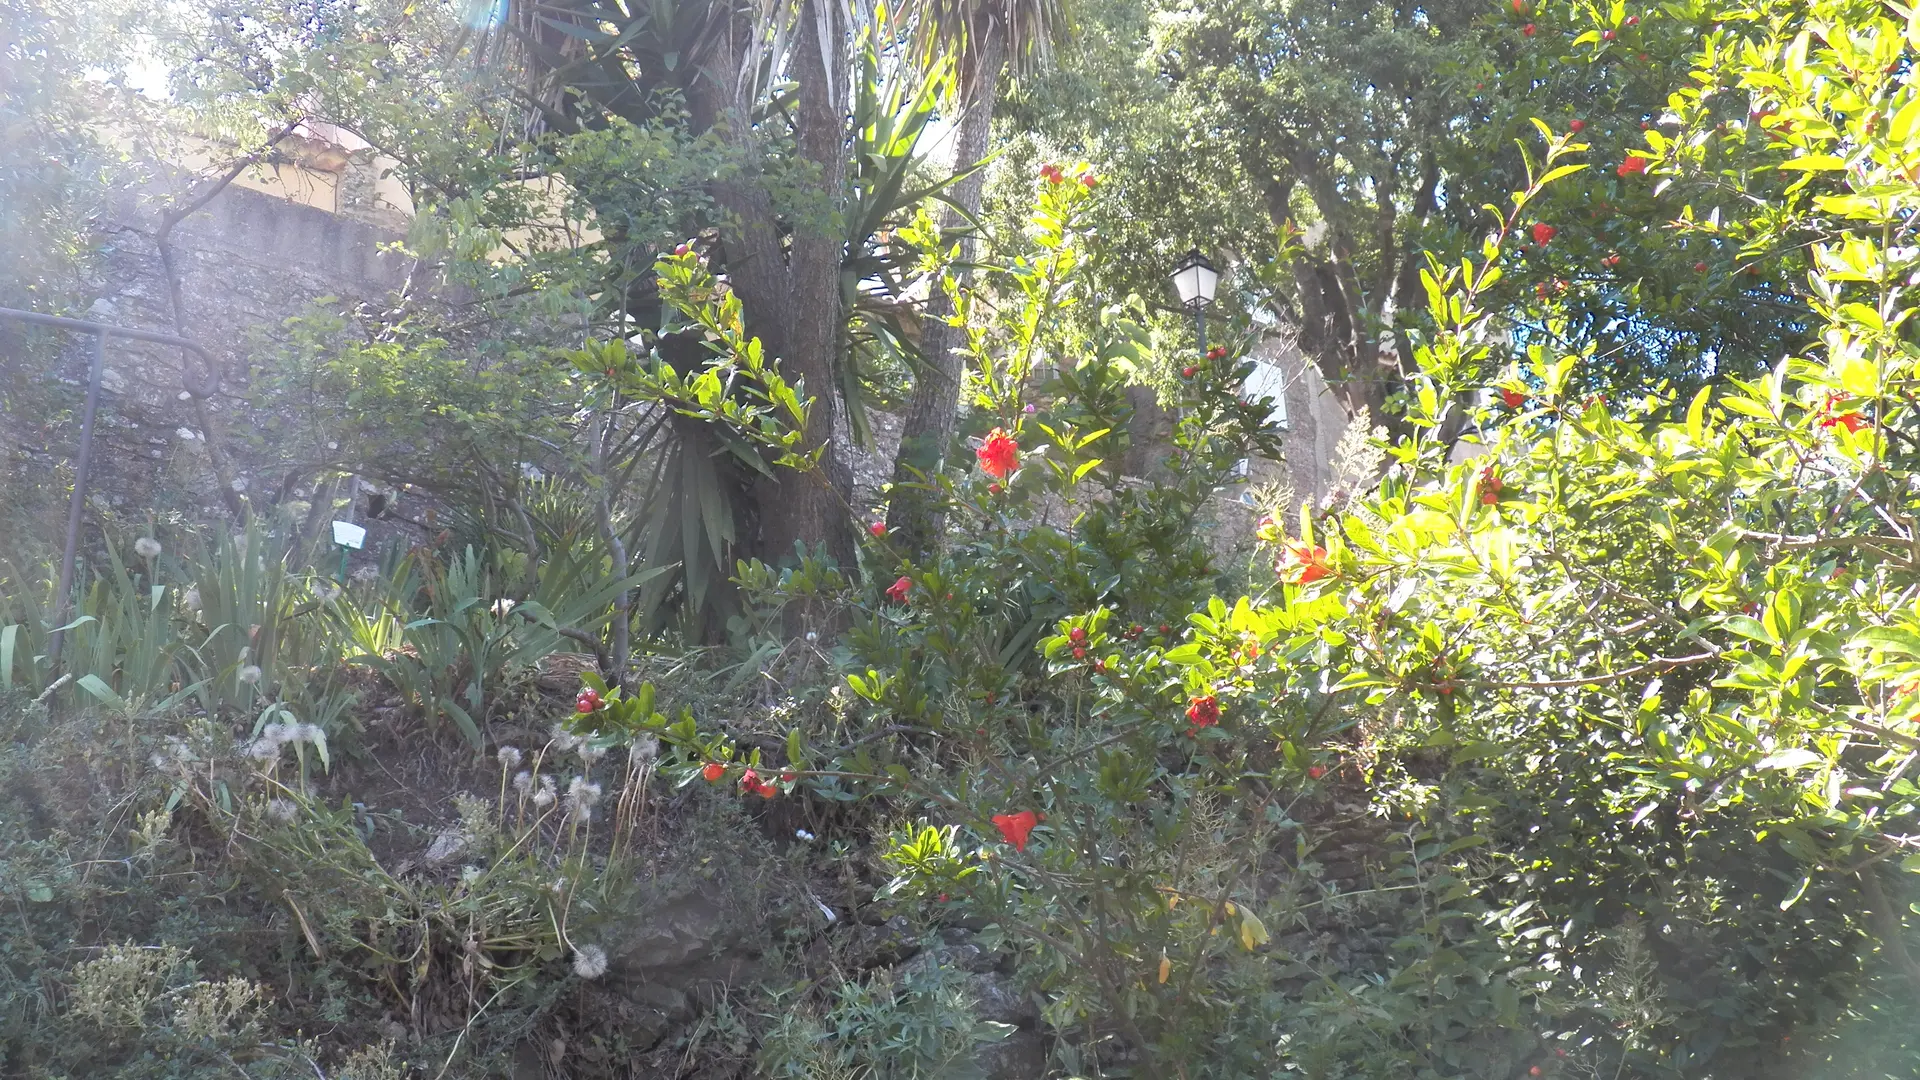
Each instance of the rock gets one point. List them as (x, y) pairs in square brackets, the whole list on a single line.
[(997, 998), (1020, 1056), (449, 843), (889, 943)]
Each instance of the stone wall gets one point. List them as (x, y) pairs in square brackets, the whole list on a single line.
[(247, 262)]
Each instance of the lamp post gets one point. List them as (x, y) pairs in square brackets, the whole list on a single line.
[(1194, 281)]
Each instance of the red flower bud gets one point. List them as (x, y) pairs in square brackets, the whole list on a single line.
[(1079, 652), (1315, 772), (1528, 29), (1577, 126), (682, 250), (712, 771), (1077, 635), (1607, 35), (878, 528), (1188, 372)]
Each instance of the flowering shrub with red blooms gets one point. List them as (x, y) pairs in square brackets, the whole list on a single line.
[(897, 592), (587, 701), (1634, 165), (1544, 233), (712, 771), (1512, 398), (878, 528), (999, 454)]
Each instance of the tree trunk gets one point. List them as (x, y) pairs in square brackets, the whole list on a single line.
[(790, 294), (915, 515)]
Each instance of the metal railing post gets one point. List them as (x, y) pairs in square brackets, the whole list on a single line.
[(63, 602), (82, 472)]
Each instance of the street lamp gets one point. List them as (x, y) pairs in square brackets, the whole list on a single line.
[(1194, 281)]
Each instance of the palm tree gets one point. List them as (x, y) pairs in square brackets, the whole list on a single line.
[(982, 36)]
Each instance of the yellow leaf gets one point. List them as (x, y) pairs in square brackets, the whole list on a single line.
[(1252, 930), (1166, 968)]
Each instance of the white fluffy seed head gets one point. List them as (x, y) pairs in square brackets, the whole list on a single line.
[(589, 961), (191, 599), (523, 781), (147, 547), (283, 811), (250, 674), (509, 757)]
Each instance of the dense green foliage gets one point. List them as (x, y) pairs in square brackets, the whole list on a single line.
[(1570, 736)]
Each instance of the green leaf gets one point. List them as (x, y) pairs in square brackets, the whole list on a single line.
[(95, 685), (1789, 760)]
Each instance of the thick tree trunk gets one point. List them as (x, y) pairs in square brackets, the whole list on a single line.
[(790, 293), (915, 515)]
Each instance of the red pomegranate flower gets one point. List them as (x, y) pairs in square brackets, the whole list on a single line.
[(1528, 30), (1634, 165), (999, 454), (588, 701), (1016, 827), (712, 771), (1077, 634), (1202, 711), (1513, 398), (878, 528), (1831, 417), (1577, 126), (1315, 772), (897, 592), (1544, 233), (1305, 565)]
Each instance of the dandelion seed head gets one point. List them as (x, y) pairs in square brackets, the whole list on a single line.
[(250, 674), (523, 782), (265, 748), (589, 961), (509, 757), (147, 547), (191, 599), (644, 748)]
